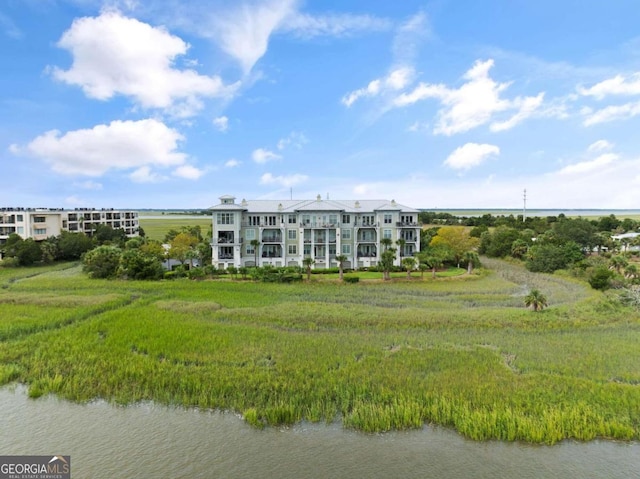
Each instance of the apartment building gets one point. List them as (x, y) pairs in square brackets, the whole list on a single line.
[(284, 232), (42, 223)]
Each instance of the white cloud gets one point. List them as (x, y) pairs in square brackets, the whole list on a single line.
[(396, 80), (118, 145), (221, 123), (610, 113), (9, 28), (295, 140), (113, 54), (336, 25), (88, 185), (262, 155), (408, 38), (618, 85), (470, 155), (475, 103), (418, 126), (600, 145), (188, 172), (244, 32), (232, 163), (285, 181), (588, 166), (145, 175)]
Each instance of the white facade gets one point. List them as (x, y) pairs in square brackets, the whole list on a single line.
[(284, 232), (42, 223)]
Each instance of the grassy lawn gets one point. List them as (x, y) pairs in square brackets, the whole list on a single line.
[(459, 351), (157, 228)]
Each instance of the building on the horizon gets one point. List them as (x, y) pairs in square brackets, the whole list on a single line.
[(285, 232), (42, 223)]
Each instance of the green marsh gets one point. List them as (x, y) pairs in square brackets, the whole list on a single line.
[(461, 352)]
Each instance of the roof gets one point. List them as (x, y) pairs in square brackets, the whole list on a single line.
[(295, 206)]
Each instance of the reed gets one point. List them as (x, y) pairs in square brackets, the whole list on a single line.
[(461, 353)]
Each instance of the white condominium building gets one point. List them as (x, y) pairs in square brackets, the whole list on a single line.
[(42, 223), (284, 232)]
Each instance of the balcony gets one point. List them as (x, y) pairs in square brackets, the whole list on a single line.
[(407, 224), (272, 239), (225, 256), (367, 255), (271, 254)]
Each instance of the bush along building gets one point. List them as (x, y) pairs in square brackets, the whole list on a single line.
[(42, 223), (285, 232)]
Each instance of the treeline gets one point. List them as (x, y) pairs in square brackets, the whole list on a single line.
[(539, 224), (65, 247)]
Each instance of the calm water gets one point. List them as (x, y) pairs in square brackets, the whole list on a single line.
[(148, 441)]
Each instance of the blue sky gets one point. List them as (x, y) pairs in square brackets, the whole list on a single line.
[(437, 104)]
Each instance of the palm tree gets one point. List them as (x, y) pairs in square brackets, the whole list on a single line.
[(308, 262), (471, 258), (619, 262), (386, 242), (631, 271), (535, 300), (386, 261), (422, 267), (256, 247), (401, 242), (409, 264), (341, 259)]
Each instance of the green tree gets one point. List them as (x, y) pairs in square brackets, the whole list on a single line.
[(386, 262), (435, 256), (71, 246), (308, 262), (457, 239), (549, 257), (135, 264), (256, 249), (102, 262), (28, 252), (535, 300), (618, 263), (341, 259), (600, 278), (49, 248), (181, 246), (472, 259), (154, 248), (409, 264), (386, 242), (401, 243)]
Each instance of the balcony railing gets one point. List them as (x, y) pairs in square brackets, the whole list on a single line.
[(320, 225), (367, 255), (412, 224), (272, 239), (225, 256), (271, 255)]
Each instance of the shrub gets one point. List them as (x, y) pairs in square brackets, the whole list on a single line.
[(600, 278), (351, 279), (102, 262)]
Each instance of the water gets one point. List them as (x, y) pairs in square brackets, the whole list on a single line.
[(149, 441)]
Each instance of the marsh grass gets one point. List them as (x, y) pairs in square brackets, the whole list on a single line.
[(378, 356)]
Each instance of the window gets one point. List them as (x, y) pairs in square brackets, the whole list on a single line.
[(271, 220), (19, 218), (346, 249), (333, 219), (386, 233), (225, 218), (368, 220), (387, 219), (346, 219), (306, 219), (39, 219), (250, 234), (251, 249), (40, 231), (346, 234), (20, 230), (293, 249), (254, 221), (292, 219), (307, 249), (292, 234)]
